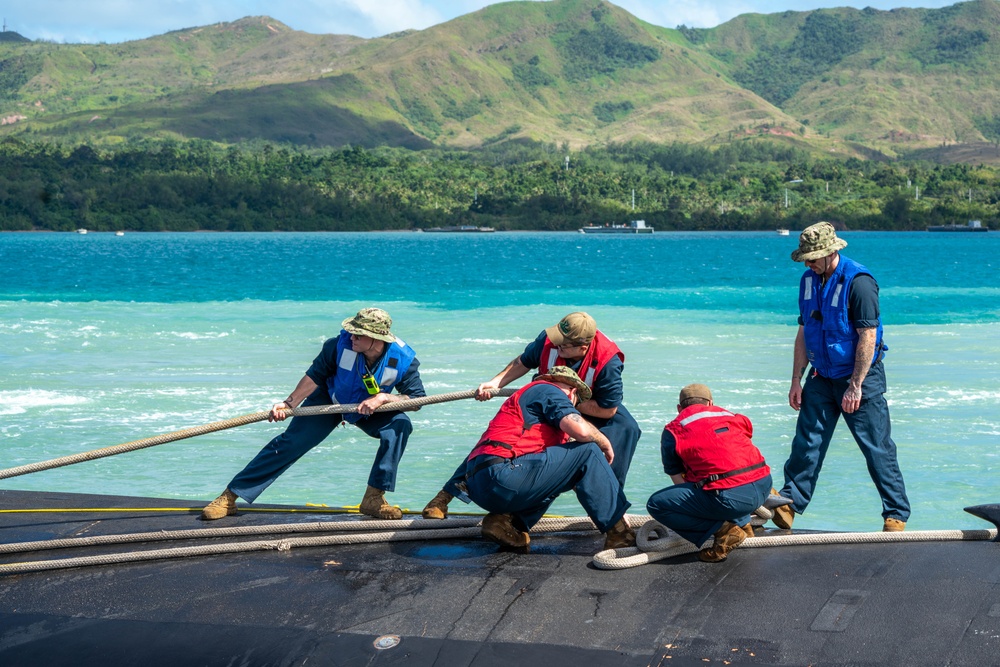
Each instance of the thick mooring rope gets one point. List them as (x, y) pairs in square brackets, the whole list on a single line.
[(394, 531), (231, 423), (654, 542)]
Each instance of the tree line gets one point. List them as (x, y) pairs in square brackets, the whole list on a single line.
[(160, 185)]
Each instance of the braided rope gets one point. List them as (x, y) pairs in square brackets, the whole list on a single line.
[(413, 529), (242, 420), (654, 542)]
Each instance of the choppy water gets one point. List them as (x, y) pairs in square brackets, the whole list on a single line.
[(107, 339)]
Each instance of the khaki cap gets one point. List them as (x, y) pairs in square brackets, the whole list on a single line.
[(566, 375), (694, 391), (817, 241), (574, 328), (371, 322)]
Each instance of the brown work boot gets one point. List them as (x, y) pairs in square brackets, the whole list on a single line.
[(727, 538), (500, 528), (748, 529), (893, 525), (437, 508), (783, 514), (224, 505), (783, 517), (619, 536), (374, 505)]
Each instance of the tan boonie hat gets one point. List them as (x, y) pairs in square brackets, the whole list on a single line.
[(372, 322), (566, 375), (817, 241), (694, 391), (574, 328)]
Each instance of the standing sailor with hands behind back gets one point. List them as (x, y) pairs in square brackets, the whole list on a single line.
[(840, 334), (574, 342), (361, 365)]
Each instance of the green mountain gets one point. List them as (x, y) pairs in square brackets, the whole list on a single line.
[(580, 72), (903, 77)]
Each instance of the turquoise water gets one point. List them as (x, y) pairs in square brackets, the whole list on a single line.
[(107, 339)]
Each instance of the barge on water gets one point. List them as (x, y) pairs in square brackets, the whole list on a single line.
[(972, 226), (631, 227)]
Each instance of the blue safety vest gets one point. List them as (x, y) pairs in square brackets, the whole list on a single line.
[(346, 386), (830, 339)]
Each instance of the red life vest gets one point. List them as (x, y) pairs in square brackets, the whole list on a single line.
[(713, 441), (600, 352), (507, 435)]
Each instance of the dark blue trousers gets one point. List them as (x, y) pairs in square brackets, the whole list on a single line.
[(527, 485), (622, 431), (303, 433), (695, 514), (870, 426)]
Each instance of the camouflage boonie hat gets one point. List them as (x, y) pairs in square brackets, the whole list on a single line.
[(371, 322), (574, 328), (817, 241), (566, 375)]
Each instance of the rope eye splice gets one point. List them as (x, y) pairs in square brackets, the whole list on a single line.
[(655, 542)]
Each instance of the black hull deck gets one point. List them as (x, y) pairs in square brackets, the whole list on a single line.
[(461, 602)]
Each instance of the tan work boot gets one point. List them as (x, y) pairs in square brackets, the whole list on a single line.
[(727, 538), (500, 528), (224, 505), (437, 508), (893, 525), (374, 505), (748, 529), (619, 536), (783, 514)]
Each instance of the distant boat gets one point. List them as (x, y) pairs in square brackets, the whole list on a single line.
[(81, 231), (782, 232), (631, 227), (461, 228), (972, 226), (119, 233)]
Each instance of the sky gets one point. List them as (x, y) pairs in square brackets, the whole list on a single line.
[(110, 21)]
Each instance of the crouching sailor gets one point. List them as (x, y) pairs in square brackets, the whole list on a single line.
[(719, 476), (525, 459), (362, 365)]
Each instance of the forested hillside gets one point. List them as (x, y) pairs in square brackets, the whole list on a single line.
[(743, 186), (583, 72)]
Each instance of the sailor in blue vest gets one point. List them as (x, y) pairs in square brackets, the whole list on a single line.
[(361, 365), (840, 335)]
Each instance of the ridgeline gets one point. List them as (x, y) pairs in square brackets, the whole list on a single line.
[(873, 119)]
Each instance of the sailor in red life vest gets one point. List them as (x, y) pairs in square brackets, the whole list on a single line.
[(525, 459), (719, 476), (574, 342)]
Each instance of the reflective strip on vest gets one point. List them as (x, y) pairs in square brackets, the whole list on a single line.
[(808, 288), (388, 377), (553, 355), (347, 360), (589, 379), (836, 295), (703, 415)]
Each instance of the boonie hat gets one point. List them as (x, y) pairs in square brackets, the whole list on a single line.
[(574, 328), (694, 391), (566, 375), (371, 322), (817, 241)]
